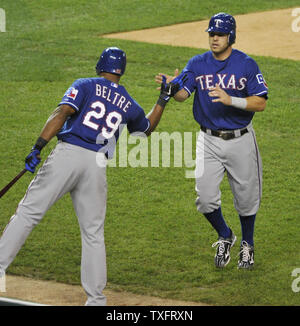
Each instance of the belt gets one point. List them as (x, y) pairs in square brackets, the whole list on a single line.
[(225, 134)]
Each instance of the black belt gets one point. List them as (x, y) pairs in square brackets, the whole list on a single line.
[(224, 134)]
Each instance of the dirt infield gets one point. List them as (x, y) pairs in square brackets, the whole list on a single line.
[(58, 294), (266, 33)]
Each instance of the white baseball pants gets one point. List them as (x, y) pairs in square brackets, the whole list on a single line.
[(70, 169), (240, 158)]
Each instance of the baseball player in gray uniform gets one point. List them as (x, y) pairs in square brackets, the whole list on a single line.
[(88, 116), (229, 88)]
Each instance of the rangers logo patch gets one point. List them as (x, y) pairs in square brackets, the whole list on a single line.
[(72, 93), (261, 80)]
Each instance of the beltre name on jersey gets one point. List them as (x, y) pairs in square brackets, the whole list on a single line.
[(113, 97), (101, 108)]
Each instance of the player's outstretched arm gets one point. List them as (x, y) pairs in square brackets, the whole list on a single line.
[(182, 94), (167, 90), (155, 114), (154, 117)]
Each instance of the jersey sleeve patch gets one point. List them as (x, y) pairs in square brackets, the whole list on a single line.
[(261, 80), (256, 84), (75, 95), (71, 93)]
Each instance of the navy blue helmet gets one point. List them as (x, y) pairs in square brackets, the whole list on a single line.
[(223, 23), (112, 60)]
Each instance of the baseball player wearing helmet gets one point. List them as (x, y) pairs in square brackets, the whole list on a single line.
[(229, 88), (88, 116)]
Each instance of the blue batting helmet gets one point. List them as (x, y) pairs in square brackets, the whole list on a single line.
[(112, 60), (223, 23)]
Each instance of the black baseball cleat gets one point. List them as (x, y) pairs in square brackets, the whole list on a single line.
[(222, 257), (246, 260)]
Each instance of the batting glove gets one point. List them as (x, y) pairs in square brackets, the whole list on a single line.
[(169, 90), (32, 160)]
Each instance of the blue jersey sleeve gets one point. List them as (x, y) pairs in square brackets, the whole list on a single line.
[(256, 84), (74, 95), (138, 121), (189, 70)]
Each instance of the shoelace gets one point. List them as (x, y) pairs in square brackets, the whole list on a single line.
[(221, 248), (245, 251)]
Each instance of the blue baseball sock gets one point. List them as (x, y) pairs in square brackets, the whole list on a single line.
[(216, 219), (247, 224)]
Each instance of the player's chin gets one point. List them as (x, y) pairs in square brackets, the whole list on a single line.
[(215, 47), (218, 49)]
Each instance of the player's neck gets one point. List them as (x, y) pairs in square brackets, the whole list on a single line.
[(221, 56), (114, 78)]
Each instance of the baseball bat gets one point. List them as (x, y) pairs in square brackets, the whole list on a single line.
[(13, 181)]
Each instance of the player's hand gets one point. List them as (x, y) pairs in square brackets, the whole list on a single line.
[(169, 78), (165, 91), (32, 160), (220, 95), (168, 90)]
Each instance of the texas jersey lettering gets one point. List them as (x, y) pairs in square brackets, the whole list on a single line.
[(238, 75)]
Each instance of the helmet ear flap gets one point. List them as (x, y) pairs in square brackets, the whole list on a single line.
[(231, 37)]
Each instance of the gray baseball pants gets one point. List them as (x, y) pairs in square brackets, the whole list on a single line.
[(240, 158), (70, 169)]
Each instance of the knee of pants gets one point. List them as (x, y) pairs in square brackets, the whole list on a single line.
[(30, 217), (247, 209), (206, 204), (247, 204), (93, 235)]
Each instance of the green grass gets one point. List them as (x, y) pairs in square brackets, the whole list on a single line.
[(156, 241)]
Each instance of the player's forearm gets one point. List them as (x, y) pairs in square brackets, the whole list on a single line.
[(181, 96), (53, 124), (51, 128), (251, 103), (256, 103), (154, 117)]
